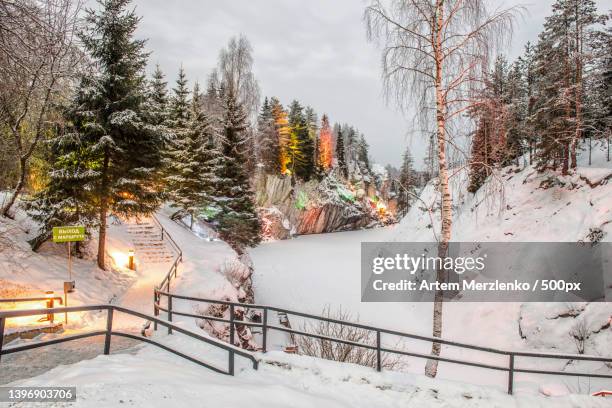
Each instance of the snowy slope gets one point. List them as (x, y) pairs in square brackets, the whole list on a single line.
[(309, 273)]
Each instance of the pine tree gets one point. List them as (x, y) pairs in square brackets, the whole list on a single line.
[(340, 154), (178, 122), (112, 123), (283, 131), (237, 223), (67, 198), (559, 107), (408, 182), (301, 146), (326, 151), (268, 143), (197, 164), (313, 135), (490, 146), (157, 98), (363, 155), (179, 105)]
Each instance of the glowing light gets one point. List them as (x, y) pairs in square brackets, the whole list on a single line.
[(120, 258), (381, 207), (24, 320)]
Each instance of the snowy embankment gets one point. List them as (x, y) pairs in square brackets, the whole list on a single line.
[(518, 205), (24, 273)]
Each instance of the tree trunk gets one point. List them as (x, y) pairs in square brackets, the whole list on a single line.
[(103, 213), (18, 188), (431, 368), (577, 87)]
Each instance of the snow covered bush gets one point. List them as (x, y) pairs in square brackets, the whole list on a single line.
[(346, 353), (235, 271)]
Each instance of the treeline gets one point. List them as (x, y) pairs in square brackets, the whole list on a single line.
[(94, 136), (107, 140), (293, 141), (550, 100)]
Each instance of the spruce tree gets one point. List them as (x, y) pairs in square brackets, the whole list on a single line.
[(301, 146), (112, 123), (157, 98), (326, 152), (268, 143), (237, 223), (407, 180), (197, 164), (178, 123), (340, 153), (67, 198)]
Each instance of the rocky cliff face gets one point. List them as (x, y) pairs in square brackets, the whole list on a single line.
[(314, 207)]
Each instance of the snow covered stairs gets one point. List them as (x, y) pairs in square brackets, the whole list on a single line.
[(149, 245)]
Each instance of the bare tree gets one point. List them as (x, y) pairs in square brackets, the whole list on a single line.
[(236, 71), (434, 52), (37, 56)]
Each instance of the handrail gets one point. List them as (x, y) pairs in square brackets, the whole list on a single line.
[(32, 299), (109, 332), (510, 368), (164, 233), (179, 258)]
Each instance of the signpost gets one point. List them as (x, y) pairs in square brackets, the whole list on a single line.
[(68, 235)]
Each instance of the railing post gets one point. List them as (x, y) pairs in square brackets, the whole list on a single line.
[(2, 319), (169, 312), (511, 374), (378, 359), (155, 309), (231, 362), (109, 330), (231, 339), (264, 327), (231, 333), (169, 277)]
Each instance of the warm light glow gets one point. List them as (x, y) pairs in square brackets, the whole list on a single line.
[(381, 207), (120, 258), (24, 320), (326, 153)]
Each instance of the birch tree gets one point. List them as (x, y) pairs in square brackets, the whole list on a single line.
[(433, 52), (37, 57)]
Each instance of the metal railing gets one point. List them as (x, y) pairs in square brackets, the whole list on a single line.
[(165, 283), (109, 332), (510, 368), (33, 299)]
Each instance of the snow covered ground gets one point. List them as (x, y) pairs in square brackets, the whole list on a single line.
[(312, 272), (308, 274), (154, 378)]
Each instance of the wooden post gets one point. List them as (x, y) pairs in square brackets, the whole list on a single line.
[(169, 312), (511, 374), (109, 330), (264, 328), (378, 359)]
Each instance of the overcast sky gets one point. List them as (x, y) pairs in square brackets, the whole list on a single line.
[(315, 51)]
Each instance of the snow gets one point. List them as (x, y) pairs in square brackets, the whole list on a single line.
[(308, 274), (312, 272), (154, 378)]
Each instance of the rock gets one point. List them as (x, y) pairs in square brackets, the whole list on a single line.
[(311, 208)]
